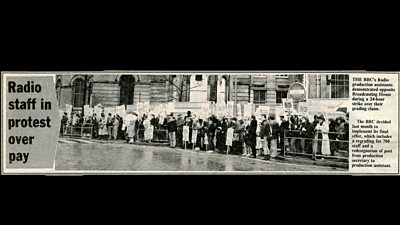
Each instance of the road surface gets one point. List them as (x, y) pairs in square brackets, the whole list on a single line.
[(91, 156)]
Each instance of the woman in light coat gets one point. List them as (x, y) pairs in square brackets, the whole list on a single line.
[(103, 132), (323, 127)]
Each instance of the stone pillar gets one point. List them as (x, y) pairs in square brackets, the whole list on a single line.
[(271, 90)]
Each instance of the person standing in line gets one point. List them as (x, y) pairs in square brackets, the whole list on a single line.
[(333, 125), (95, 130), (316, 135), (252, 136), (180, 122), (274, 129), (130, 130), (189, 123), (265, 133), (172, 128), (110, 122), (115, 127), (103, 131), (120, 135), (282, 129), (323, 127), (210, 134), (64, 121)]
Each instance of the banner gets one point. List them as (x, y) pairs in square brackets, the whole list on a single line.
[(220, 109), (146, 107), (85, 110), (263, 109), (170, 108), (120, 110), (287, 104), (239, 110), (247, 110), (303, 108), (229, 136), (97, 111), (185, 133), (89, 111), (139, 108), (130, 108), (229, 108)]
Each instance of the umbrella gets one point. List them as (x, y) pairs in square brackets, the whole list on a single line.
[(344, 107)]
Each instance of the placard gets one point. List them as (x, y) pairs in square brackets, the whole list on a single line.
[(146, 106), (185, 133), (194, 136), (229, 136), (120, 110), (139, 108), (229, 108), (248, 110)]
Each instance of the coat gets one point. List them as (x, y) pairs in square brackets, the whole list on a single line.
[(265, 130), (252, 133), (172, 126), (324, 128), (274, 129)]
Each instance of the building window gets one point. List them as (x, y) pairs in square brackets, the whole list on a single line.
[(282, 76), (280, 95), (78, 92), (127, 89), (259, 97), (199, 77), (340, 86), (58, 90)]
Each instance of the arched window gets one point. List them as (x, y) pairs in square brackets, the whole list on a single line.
[(78, 89)]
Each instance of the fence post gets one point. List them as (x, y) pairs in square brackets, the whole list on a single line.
[(284, 144)]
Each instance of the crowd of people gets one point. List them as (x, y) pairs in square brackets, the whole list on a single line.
[(252, 137)]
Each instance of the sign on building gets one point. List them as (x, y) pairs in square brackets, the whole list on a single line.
[(297, 92)]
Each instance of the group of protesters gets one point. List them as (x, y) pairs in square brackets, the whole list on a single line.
[(251, 137)]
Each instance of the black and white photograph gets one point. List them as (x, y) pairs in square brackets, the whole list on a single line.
[(205, 122)]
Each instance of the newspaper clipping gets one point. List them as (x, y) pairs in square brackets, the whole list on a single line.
[(200, 122)]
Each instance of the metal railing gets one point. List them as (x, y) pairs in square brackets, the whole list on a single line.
[(159, 135), (84, 130), (299, 144)]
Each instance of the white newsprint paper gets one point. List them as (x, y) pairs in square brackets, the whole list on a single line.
[(200, 122)]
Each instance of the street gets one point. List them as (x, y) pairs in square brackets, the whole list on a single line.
[(92, 156)]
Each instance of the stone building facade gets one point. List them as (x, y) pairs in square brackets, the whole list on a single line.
[(192, 90)]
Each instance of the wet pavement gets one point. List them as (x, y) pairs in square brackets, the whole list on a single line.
[(125, 157)]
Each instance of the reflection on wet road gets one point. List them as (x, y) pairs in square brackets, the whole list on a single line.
[(124, 157)]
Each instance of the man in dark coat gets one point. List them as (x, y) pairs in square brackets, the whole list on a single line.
[(179, 134), (282, 128), (64, 122), (265, 133), (273, 137), (211, 133), (252, 136)]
